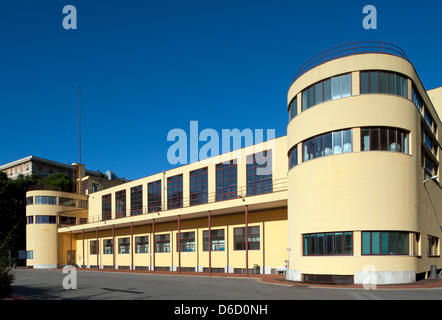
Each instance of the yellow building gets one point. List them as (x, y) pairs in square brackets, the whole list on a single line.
[(352, 189)]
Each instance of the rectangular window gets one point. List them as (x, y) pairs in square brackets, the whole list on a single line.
[(142, 244), (253, 238), (45, 219), (187, 242), (226, 180), (154, 196), (336, 142), (45, 200), (29, 201), (120, 204), (82, 204), (383, 82), (108, 246), (198, 186), (175, 192), (124, 245), (136, 200), (93, 247), (386, 139), (30, 254), (216, 240), (162, 243), (385, 243), (332, 243), (106, 207), (259, 173), (30, 220)]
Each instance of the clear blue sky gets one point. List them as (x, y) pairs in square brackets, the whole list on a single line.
[(146, 67)]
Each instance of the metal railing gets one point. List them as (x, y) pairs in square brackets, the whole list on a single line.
[(279, 185), (349, 50)]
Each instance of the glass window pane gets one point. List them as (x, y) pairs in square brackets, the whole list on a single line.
[(406, 243), (384, 139), (338, 243), (384, 80), (384, 242), (320, 244), (306, 245), (392, 139), (366, 243), (312, 249), (405, 142), (364, 83), (337, 142), (391, 83), (346, 85), (329, 243), (319, 152), (393, 243), (374, 139), (328, 144), (327, 90), (318, 93), (375, 243), (365, 139), (311, 149), (304, 100), (305, 151), (336, 87), (348, 243), (374, 82), (311, 96), (398, 85), (347, 141), (404, 87)]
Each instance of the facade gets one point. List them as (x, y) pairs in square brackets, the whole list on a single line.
[(352, 189)]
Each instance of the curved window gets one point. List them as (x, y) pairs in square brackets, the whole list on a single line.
[(293, 157), (325, 90), (45, 200), (385, 243), (383, 82), (384, 139), (328, 244), (45, 219), (293, 108), (336, 142), (66, 202)]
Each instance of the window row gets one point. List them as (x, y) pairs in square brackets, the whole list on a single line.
[(41, 219), (186, 243), (335, 142), (327, 244), (384, 139), (51, 200), (385, 243), (384, 82), (259, 181)]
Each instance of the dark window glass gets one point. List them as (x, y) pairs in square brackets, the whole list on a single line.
[(120, 204), (226, 180), (154, 196), (106, 207), (374, 139), (337, 243), (216, 240), (175, 192), (162, 243), (374, 82), (259, 173), (136, 200), (365, 83), (198, 186)]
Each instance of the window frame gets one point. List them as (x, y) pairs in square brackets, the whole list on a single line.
[(198, 186), (259, 183), (226, 186), (239, 235)]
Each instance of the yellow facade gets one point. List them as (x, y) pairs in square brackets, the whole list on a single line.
[(334, 214)]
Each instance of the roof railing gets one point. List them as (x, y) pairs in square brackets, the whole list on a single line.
[(350, 49)]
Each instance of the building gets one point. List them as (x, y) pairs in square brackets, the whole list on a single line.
[(352, 189)]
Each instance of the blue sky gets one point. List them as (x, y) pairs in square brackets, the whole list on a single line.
[(146, 67)]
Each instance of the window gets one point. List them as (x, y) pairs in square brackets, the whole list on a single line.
[(293, 157), (187, 242), (433, 246), (325, 90), (216, 240), (252, 238), (162, 243), (66, 202), (415, 97), (383, 82), (175, 192), (29, 254), (293, 108), (95, 187), (45, 219), (120, 204), (106, 207), (330, 243), (198, 187), (108, 246), (385, 243), (142, 244), (30, 220), (428, 162), (226, 180), (336, 142), (136, 200), (259, 173), (94, 247), (29, 201), (45, 200), (154, 196), (82, 203), (384, 139), (124, 245)]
